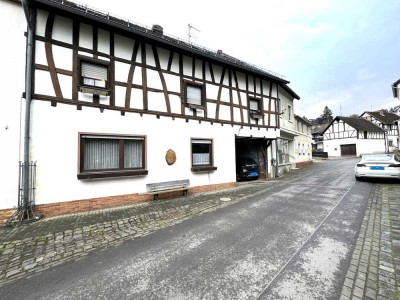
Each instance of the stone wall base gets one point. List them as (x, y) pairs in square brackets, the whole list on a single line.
[(303, 163), (68, 207)]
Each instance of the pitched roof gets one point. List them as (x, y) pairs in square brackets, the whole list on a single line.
[(320, 128), (303, 120), (358, 124), (386, 118), (158, 36), (290, 91)]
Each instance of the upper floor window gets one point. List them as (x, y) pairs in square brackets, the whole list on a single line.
[(194, 95), (255, 108), (111, 156), (94, 76), (289, 112)]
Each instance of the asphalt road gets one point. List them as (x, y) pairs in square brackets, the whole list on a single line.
[(292, 241)]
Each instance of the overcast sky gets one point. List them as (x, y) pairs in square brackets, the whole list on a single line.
[(341, 53)]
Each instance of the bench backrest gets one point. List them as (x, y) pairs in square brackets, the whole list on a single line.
[(167, 185)]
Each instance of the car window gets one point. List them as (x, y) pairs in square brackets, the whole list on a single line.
[(383, 157), (397, 158)]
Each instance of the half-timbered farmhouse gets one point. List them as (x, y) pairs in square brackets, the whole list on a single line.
[(388, 122), (112, 107), (353, 136)]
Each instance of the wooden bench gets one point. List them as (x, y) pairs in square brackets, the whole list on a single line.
[(168, 186)]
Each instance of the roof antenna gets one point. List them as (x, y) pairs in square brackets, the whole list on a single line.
[(190, 27)]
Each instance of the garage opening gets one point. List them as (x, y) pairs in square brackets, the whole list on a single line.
[(256, 149), (348, 150)]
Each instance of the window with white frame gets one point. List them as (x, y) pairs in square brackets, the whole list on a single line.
[(194, 94), (120, 155)]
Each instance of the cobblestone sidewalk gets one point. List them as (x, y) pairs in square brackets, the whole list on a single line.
[(374, 271), (28, 249)]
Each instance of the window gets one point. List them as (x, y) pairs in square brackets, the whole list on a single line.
[(94, 76), (111, 156), (255, 108), (202, 155), (194, 95), (289, 112), (283, 151), (390, 143)]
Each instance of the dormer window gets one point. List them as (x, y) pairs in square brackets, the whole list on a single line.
[(94, 76), (194, 95), (255, 108)]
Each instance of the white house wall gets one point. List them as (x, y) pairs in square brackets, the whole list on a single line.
[(55, 148), (146, 99), (12, 27), (363, 146)]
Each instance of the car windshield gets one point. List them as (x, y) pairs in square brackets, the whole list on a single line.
[(383, 157), (247, 161)]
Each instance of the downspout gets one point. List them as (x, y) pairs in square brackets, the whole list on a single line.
[(30, 14)]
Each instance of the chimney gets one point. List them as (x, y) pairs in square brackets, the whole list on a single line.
[(157, 29)]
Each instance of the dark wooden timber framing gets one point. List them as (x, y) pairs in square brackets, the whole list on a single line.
[(231, 95), (112, 70), (165, 90), (95, 41), (130, 75), (75, 43), (89, 51), (206, 76), (269, 103), (219, 94), (144, 77), (239, 97), (50, 58), (170, 59)]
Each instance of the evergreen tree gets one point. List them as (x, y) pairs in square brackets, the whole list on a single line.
[(327, 115)]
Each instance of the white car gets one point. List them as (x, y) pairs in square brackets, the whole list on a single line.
[(378, 166)]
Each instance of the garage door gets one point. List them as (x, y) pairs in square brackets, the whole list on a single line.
[(349, 149)]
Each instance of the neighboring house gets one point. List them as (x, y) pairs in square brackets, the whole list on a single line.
[(294, 144), (396, 89), (303, 141), (317, 137), (115, 106), (387, 121), (353, 136)]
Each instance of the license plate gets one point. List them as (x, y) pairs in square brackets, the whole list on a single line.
[(377, 168), (253, 174)]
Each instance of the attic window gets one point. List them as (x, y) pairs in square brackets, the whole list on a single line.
[(94, 77)]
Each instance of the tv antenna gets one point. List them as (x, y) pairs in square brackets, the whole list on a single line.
[(190, 27)]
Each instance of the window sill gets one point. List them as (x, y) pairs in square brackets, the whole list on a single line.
[(203, 169), (195, 106), (94, 90), (256, 116), (112, 174)]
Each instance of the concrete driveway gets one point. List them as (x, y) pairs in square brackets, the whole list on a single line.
[(291, 240)]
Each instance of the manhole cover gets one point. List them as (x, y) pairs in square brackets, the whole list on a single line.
[(225, 199)]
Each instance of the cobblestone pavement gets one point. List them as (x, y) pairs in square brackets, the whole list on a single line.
[(374, 271), (32, 248)]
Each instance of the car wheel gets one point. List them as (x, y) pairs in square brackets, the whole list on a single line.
[(358, 178), (256, 178), (238, 177)]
